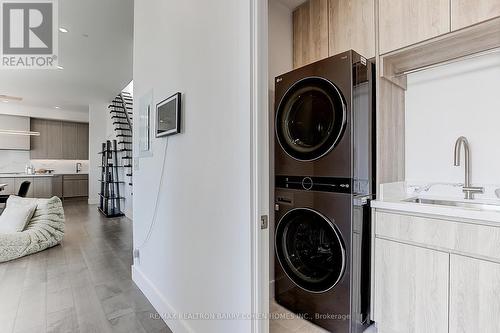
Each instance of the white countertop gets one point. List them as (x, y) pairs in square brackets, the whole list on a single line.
[(392, 197), (24, 175)]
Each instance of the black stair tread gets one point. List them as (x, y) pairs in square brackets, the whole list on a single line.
[(124, 136), (128, 175), (108, 182), (124, 149), (118, 117), (125, 142), (110, 197), (122, 129), (130, 184), (128, 166), (126, 158), (112, 166), (120, 122)]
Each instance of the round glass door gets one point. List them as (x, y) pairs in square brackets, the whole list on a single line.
[(310, 119), (310, 250)]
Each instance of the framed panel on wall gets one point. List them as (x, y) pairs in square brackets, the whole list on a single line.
[(168, 116), (146, 107)]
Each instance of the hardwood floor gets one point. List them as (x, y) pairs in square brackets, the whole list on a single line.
[(83, 285)]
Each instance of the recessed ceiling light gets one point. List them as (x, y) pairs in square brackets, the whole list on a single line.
[(63, 30), (57, 107), (60, 67)]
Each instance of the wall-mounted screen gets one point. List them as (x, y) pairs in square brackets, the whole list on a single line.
[(168, 116)]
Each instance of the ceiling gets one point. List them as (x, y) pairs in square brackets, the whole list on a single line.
[(292, 4), (96, 54)]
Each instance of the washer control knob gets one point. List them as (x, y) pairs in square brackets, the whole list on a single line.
[(307, 183)]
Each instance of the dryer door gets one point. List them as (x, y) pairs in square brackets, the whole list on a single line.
[(310, 119), (310, 250)]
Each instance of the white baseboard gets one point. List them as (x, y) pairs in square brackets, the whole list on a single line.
[(93, 201), (159, 302)]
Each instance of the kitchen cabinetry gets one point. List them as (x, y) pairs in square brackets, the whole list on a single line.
[(406, 22), (434, 273), (411, 288), (474, 290), (57, 186), (310, 32), (323, 28), (14, 123), (11, 186), (59, 140), (75, 186), (352, 26), (17, 184), (42, 187), (466, 12)]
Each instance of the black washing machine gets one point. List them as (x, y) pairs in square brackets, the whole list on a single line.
[(324, 181)]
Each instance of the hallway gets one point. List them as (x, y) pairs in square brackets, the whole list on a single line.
[(82, 286)]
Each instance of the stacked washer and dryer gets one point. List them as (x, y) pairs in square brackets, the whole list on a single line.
[(324, 169)]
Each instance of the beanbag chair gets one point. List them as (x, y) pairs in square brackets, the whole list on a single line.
[(44, 230)]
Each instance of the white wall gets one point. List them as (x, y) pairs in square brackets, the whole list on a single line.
[(19, 109), (98, 122), (198, 257), (280, 61), (14, 142), (444, 103)]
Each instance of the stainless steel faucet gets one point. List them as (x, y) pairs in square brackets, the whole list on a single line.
[(78, 167), (467, 189)]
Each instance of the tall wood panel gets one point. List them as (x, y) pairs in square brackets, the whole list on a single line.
[(70, 142), (83, 141), (467, 12), (406, 22), (38, 143), (390, 132), (54, 138), (352, 26), (310, 32)]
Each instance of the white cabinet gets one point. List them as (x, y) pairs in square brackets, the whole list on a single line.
[(435, 274), (474, 295), (411, 288), (14, 142)]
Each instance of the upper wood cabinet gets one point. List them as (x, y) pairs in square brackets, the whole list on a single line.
[(406, 22), (352, 26), (59, 140), (310, 32), (468, 12)]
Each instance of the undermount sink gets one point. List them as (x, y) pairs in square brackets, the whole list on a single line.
[(461, 204)]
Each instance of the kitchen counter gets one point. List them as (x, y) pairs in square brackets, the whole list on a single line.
[(24, 175), (392, 198)]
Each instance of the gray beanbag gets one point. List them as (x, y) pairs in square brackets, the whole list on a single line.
[(45, 229)]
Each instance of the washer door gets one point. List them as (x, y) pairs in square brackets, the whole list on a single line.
[(310, 119), (310, 250)]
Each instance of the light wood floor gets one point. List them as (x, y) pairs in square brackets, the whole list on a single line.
[(84, 285)]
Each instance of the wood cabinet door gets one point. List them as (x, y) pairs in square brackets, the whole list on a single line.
[(411, 288), (70, 141), (406, 22), (310, 32), (38, 143), (42, 187), (10, 188), (352, 26), (467, 12), (57, 186), (474, 295), (54, 139), (83, 141), (17, 183)]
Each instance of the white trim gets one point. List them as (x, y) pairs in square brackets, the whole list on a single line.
[(159, 301), (259, 150)]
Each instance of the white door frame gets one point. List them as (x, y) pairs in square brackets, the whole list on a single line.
[(259, 164)]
